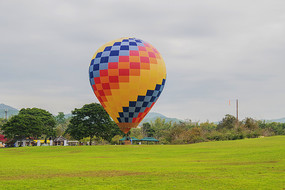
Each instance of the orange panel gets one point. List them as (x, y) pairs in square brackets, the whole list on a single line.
[(113, 72), (134, 59), (124, 65), (134, 72), (114, 85), (143, 54), (104, 79), (153, 60), (123, 78), (145, 66), (107, 92)]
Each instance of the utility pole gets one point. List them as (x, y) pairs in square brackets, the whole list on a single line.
[(6, 114), (237, 108)]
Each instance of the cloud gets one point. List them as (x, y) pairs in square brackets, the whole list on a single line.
[(214, 51)]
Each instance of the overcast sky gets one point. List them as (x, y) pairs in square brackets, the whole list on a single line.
[(215, 51)]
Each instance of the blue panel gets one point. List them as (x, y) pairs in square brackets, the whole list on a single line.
[(108, 48), (132, 109), (113, 59), (92, 81), (152, 99), (155, 93), (121, 114), (139, 104), (124, 48), (92, 62), (149, 92), (147, 98), (124, 43), (125, 109), (114, 53), (157, 87), (98, 55), (119, 119), (134, 48), (133, 44), (104, 60), (132, 104), (138, 109), (96, 74), (124, 53), (96, 67), (115, 48), (136, 114), (105, 53), (125, 40), (91, 75), (144, 104), (117, 44), (140, 98), (131, 114), (103, 66), (97, 60), (140, 44)]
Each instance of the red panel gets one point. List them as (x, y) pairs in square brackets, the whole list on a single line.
[(151, 54), (135, 65), (101, 93), (124, 59), (113, 65), (124, 72), (144, 59), (113, 79), (134, 53), (97, 80), (103, 72), (146, 45), (141, 48), (106, 86)]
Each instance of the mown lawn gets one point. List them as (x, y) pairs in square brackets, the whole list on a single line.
[(241, 164)]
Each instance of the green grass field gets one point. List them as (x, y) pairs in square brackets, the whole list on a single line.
[(241, 164)]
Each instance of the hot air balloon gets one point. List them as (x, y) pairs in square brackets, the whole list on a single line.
[(127, 76)]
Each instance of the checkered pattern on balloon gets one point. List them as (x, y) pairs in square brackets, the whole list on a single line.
[(127, 76)]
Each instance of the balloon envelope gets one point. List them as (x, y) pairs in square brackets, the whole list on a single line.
[(127, 76)]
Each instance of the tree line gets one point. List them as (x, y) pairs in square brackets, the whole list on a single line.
[(92, 123)]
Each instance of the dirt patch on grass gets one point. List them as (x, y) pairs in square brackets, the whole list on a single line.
[(250, 163), (112, 173), (75, 151)]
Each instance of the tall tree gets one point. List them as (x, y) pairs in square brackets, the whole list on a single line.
[(91, 121), (45, 117), (23, 125), (60, 118), (228, 122)]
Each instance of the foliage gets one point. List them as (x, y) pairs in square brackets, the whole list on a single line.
[(116, 139), (60, 118), (23, 125), (227, 123), (91, 121), (45, 117)]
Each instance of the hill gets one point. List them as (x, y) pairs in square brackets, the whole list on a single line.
[(280, 120), (10, 111), (152, 116)]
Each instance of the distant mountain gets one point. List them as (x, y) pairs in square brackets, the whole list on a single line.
[(152, 116), (10, 111), (281, 120)]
